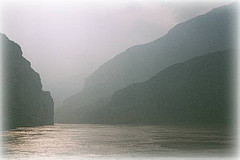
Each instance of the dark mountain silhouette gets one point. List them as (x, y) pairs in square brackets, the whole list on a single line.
[(195, 92), (206, 33), (25, 103)]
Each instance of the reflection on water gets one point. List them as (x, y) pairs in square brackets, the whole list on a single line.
[(83, 140)]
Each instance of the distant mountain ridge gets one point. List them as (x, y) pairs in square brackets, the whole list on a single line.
[(198, 36), (206, 33), (195, 92), (63, 87), (25, 103)]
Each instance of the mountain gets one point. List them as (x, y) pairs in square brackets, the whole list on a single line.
[(195, 92), (25, 103), (63, 87), (206, 33)]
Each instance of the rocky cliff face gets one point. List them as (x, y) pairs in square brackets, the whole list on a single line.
[(25, 103)]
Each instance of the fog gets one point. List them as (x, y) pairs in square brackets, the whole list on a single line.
[(66, 38)]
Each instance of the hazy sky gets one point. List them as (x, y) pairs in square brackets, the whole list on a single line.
[(69, 37)]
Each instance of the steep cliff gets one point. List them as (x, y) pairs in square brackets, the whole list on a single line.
[(25, 103)]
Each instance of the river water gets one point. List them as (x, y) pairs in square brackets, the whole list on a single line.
[(90, 141)]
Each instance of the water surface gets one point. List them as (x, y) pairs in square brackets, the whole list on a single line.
[(100, 141)]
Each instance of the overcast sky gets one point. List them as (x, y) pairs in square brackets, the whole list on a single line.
[(69, 37)]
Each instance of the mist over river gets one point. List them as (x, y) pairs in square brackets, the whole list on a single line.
[(90, 141)]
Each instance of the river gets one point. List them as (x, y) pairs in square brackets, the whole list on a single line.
[(90, 141)]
